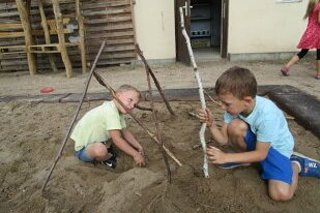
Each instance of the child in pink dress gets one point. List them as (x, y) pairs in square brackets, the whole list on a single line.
[(310, 38)]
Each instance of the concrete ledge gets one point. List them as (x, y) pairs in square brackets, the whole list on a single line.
[(234, 57), (304, 107)]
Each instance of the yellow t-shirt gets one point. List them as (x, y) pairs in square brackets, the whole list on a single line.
[(94, 125)]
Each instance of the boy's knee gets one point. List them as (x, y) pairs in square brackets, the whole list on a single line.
[(280, 194), (237, 128), (100, 150)]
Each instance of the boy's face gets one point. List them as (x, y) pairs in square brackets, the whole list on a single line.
[(129, 99), (234, 105)]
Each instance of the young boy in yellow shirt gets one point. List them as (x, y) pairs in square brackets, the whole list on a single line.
[(103, 126)]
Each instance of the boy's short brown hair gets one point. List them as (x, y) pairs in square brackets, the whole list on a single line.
[(127, 87), (238, 81)]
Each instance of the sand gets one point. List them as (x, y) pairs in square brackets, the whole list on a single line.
[(31, 135)]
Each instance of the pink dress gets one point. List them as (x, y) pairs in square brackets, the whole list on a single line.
[(311, 37)]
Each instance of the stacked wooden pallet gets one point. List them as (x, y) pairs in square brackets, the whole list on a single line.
[(110, 20)]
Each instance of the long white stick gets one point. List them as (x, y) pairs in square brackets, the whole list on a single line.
[(201, 94)]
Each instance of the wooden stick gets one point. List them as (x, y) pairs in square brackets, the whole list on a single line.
[(82, 45), (153, 137), (155, 118), (211, 99), (62, 41), (76, 115), (203, 103), (143, 108), (45, 28), (25, 21), (155, 80), (288, 117)]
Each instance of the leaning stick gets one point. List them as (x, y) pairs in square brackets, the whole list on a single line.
[(203, 103), (143, 108), (153, 136), (155, 118), (155, 80), (211, 99), (76, 115)]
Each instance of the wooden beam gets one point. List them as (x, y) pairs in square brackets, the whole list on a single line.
[(45, 28), (62, 46), (82, 44), (25, 21)]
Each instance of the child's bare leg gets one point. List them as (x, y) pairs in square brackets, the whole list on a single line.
[(237, 131), (98, 151), (281, 191), (292, 61)]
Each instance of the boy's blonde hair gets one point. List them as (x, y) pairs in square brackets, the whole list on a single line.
[(310, 8), (127, 87), (238, 81)]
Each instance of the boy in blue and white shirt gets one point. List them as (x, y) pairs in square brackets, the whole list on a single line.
[(259, 132)]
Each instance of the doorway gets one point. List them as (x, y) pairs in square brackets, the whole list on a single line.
[(206, 25)]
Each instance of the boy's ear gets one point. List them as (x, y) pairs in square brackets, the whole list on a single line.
[(248, 99)]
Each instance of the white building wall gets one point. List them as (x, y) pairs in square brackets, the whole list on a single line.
[(155, 28), (265, 26)]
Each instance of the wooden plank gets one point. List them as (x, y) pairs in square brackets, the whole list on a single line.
[(110, 35), (10, 26), (120, 26), (8, 6), (28, 36), (123, 18), (9, 14), (14, 62), (117, 55), (106, 12), (44, 24), (12, 42), (13, 68), (87, 5), (11, 34), (117, 61), (82, 45), (119, 48), (62, 47), (133, 20), (15, 56), (120, 41)]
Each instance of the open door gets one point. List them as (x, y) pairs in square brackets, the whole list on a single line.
[(224, 28), (182, 54)]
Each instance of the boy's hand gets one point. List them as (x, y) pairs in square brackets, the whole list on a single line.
[(141, 151), (205, 116), (139, 159), (215, 155)]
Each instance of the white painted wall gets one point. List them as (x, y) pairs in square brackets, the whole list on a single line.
[(265, 26), (155, 28)]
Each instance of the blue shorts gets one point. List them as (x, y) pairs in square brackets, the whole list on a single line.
[(276, 166), (82, 155)]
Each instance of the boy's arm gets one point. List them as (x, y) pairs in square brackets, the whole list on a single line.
[(123, 145), (219, 135), (216, 156), (132, 140)]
